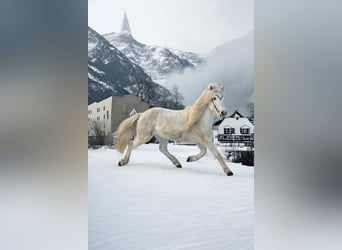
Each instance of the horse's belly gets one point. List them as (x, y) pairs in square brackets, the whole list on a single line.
[(174, 134), (169, 125)]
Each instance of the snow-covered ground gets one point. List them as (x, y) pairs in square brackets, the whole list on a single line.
[(150, 204)]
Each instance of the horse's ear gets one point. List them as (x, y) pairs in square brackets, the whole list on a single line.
[(211, 86)]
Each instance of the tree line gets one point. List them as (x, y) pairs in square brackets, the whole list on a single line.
[(159, 96)]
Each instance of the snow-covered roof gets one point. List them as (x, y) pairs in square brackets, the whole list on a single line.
[(133, 112)]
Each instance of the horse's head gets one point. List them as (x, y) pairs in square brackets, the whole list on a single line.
[(216, 104)]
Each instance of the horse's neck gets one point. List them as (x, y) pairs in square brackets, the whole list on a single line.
[(194, 115), (200, 105), (207, 118)]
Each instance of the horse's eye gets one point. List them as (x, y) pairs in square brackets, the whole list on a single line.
[(214, 98)]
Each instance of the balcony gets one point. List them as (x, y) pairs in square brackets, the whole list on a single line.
[(235, 138)]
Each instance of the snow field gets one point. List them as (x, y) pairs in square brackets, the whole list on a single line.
[(150, 204)]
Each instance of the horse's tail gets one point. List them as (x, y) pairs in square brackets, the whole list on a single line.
[(125, 132)]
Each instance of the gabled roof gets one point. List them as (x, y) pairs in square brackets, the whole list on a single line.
[(133, 112), (236, 113), (217, 123)]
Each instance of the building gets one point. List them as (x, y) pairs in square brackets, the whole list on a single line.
[(235, 129), (110, 112), (236, 133)]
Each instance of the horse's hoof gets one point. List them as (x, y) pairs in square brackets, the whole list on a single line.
[(188, 159), (178, 166), (230, 173), (119, 164)]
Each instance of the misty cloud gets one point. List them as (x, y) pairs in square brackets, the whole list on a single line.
[(231, 64)]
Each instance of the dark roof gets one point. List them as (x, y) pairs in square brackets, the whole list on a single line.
[(236, 112), (217, 123)]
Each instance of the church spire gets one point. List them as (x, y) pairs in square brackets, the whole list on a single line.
[(125, 24)]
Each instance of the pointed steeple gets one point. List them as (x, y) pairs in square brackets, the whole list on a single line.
[(125, 24)]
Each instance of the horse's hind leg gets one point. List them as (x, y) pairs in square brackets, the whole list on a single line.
[(125, 160), (163, 148), (132, 144), (203, 151)]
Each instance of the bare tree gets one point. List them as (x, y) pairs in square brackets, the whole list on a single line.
[(250, 110), (145, 89), (139, 87), (165, 98), (95, 128), (177, 97), (149, 91)]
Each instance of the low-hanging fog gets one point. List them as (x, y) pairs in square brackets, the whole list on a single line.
[(231, 64)]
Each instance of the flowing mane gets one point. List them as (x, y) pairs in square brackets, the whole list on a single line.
[(194, 112)]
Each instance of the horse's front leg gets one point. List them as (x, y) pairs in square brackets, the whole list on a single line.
[(203, 151), (218, 156)]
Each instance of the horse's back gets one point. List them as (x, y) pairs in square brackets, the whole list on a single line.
[(162, 113), (162, 122)]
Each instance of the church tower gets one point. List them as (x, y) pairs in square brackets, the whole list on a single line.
[(125, 24)]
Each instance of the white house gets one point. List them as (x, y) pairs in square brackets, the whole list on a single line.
[(234, 129)]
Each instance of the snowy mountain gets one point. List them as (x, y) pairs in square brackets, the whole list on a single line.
[(159, 62), (109, 71)]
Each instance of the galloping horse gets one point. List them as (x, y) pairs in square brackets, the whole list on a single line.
[(192, 124)]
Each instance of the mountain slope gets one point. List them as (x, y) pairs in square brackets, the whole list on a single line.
[(157, 61), (109, 71)]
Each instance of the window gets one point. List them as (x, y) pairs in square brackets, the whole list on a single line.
[(107, 114), (244, 131), (89, 112), (98, 118), (104, 117), (98, 109), (228, 130), (104, 108)]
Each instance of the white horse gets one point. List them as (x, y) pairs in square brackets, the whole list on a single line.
[(193, 124)]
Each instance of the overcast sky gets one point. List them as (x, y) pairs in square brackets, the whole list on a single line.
[(190, 25)]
